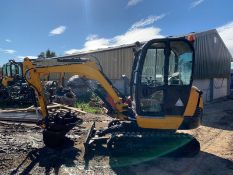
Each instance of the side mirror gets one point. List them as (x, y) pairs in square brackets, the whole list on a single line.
[(126, 84), (136, 48), (123, 76)]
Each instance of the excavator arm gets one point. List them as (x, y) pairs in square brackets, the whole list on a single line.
[(87, 69)]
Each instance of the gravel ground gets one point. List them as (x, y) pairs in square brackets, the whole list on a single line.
[(22, 150)]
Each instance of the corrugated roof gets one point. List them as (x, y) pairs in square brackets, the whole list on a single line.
[(212, 56)]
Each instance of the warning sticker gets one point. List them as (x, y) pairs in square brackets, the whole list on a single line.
[(179, 103)]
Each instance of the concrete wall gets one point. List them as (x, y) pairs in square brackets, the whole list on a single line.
[(205, 86), (212, 88), (220, 87)]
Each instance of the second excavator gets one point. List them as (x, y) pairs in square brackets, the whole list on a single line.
[(13, 87)]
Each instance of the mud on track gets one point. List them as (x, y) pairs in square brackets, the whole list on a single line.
[(22, 150)]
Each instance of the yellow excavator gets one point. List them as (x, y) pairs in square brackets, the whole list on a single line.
[(10, 71), (13, 87), (162, 98)]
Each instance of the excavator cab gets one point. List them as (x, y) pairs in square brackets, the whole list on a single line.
[(14, 89), (162, 83), (12, 71)]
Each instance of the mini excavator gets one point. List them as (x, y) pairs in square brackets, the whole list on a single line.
[(162, 98), (13, 87)]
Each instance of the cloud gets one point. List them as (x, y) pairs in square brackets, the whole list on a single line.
[(95, 43), (21, 58), (225, 32), (8, 40), (57, 31), (92, 37), (133, 2), (145, 22), (91, 44), (196, 3), (137, 32), (129, 37), (71, 51), (8, 51)]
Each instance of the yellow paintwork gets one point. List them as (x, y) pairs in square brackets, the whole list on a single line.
[(87, 69), (165, 122), (192, 103), (6, 80), (33, 79), (91, 71), (170, 121)]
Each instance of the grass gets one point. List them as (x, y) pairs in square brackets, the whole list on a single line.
[(85, 106), (90, 103)]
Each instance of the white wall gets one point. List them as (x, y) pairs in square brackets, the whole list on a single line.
[(204, 86), (220, 87)]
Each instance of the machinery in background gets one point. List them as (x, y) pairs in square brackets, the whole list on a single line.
[(13, 88), (162, 99)]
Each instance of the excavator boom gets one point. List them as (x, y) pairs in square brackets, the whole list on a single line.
[(86, 69)]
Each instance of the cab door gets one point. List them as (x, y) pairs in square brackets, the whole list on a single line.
[(163, 77)]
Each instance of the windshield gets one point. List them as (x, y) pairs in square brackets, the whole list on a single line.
[(166, 68), (179, 65), (16, 70), (8, 69), (4, 70)]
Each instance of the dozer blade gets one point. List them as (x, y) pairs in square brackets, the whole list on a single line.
[(88, 140), (93, 140)]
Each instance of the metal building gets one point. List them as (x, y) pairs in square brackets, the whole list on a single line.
[(212, 65)]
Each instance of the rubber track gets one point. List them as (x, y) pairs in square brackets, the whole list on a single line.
[(139, 139)]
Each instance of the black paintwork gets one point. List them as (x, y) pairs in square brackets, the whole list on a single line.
[(171, 92)]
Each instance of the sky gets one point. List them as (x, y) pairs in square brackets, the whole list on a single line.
[(28, 27)]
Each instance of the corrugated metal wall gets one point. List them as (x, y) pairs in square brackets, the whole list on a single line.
[(212, 57), (114, 62)]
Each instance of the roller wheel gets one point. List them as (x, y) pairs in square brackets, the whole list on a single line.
[(111, 146), (113, 123)]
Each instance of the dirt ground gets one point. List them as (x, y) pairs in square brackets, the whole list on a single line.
[(22, 150)]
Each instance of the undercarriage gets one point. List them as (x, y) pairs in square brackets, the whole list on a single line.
[(127, 138), (119, 138), (20, 95)]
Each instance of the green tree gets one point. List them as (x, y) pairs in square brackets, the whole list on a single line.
[(47, 54), (41, 55)]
